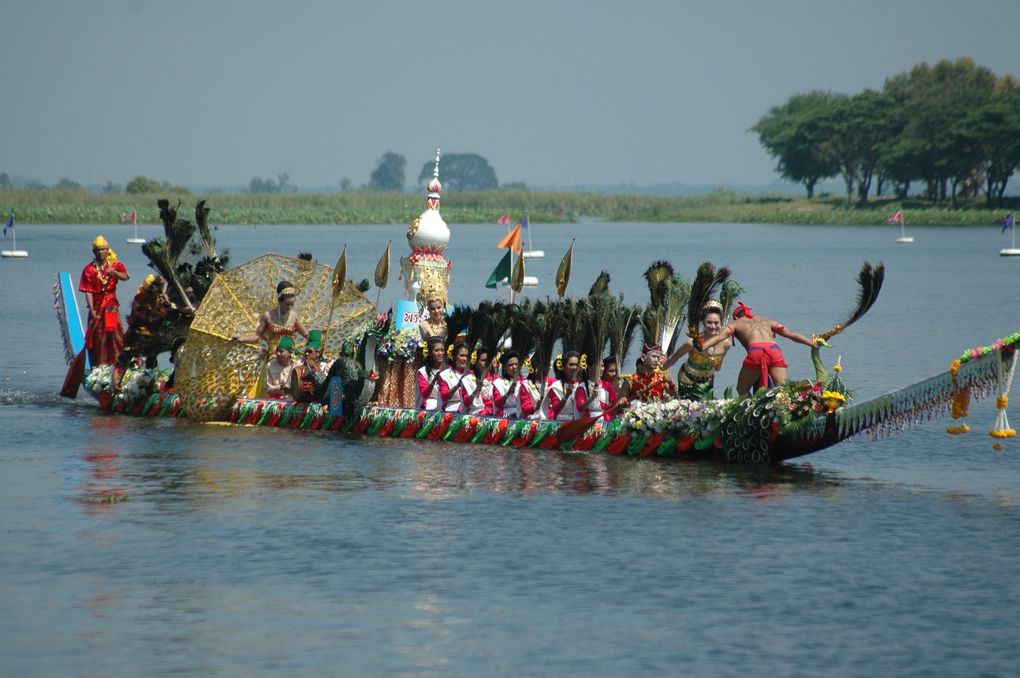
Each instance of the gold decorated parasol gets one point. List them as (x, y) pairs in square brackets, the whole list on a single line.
[(212, 371)]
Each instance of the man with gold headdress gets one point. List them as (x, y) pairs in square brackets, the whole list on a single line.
[(650, 382), (696, 377), (105, 335)]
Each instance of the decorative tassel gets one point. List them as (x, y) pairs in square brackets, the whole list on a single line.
[(961, 403), (1002, 428)]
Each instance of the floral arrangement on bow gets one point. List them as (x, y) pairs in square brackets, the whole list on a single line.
[(686, 416), (404, 343), (137, 384)]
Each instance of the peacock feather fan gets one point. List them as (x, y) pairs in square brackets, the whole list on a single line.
[(706, 280), (601, 285), (869, 282)]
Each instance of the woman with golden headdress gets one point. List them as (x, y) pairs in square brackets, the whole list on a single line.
[(434, 325), (696, 377), (278, 322), (99, 278)]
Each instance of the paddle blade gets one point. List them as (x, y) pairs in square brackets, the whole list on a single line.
[(572, 430), (340, 273), (75, 375), (517, 279), (382, 269), (563, 272)]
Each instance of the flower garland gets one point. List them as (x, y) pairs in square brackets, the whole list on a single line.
[(136, 386)]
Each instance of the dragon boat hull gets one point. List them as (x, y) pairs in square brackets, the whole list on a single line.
[(395, 422)]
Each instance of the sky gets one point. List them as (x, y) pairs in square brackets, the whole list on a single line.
[(551, 93)]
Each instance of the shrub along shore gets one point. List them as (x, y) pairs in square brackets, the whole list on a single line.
[(79, 207)]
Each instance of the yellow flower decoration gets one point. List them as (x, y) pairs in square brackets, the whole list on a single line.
[(474, 357), (527, 363), (425, 350), (449, 351), (584, 361), (559, 361)]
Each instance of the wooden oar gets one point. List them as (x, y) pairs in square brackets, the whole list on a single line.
[(573, 429), (76, 373)]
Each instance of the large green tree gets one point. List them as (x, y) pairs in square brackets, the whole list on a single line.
[(798, 135), (388, 174), (462, 172), (934, 99)]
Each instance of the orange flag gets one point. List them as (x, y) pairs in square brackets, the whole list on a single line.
[(512, 240)]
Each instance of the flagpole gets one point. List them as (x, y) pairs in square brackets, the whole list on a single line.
[(1014, 230)]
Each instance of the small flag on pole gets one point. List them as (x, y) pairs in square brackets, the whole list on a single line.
[(504, 220), (896, 218), (512, 240), (10, 224), (1008, 222), (524, 223), (130, 218), (501, 271)]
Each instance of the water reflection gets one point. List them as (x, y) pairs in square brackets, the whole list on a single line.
[(202, 475)]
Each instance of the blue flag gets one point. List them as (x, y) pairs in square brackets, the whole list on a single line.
[(524, 224), (10, 224), (1008, 222)]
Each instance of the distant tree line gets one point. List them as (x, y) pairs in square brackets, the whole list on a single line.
[(953, 127), (458, 172)]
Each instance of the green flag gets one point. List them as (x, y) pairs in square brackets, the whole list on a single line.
[(502, 271)]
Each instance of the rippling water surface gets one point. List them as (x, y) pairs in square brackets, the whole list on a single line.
[(148, 546)]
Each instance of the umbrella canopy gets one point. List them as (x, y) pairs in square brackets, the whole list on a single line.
[(213, 371)]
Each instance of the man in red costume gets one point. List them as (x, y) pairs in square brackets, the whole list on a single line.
[(764, 357), (650, 382), (105, 334)]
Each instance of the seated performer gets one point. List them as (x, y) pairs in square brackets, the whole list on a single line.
[(452, 380), (764, 357), (696, 377), (148, 309), (478, 385), (605, 396), (511, 399), (649, 383), (279, 369), (308, 378), (428, 375), (537, 398), (280, 321), (567, 396)]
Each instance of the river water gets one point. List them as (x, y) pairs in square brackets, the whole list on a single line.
[(136, 546)]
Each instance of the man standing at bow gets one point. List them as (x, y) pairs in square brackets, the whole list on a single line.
[(764, 357), (99, 278)]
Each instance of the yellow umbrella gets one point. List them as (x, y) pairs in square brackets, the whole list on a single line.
[(213, 371)]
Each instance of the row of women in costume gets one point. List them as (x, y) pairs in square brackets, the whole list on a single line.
[(471, 384)]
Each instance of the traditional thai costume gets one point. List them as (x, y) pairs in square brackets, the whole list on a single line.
[(696, 377), (428, 390), (105, 335), (650, 387), (564, 406)]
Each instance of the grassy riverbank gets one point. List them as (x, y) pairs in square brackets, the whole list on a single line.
[(78, 207)]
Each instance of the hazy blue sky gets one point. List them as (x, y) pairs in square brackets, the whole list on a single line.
[(217, 92)]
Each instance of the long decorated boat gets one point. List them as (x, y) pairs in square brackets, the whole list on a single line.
[(217, 378), (770, 426)]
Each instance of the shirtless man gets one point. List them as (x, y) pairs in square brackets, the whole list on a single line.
[(764, 357)]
